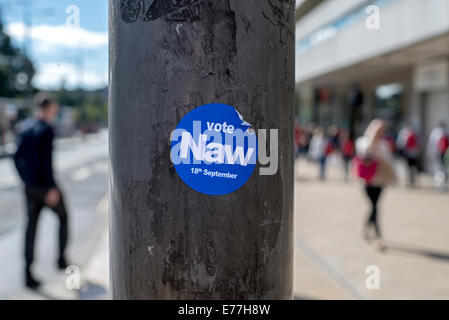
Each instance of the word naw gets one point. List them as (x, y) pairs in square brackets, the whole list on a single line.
[(214, 152), (239, 147)]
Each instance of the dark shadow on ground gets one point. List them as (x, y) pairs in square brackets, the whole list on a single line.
[(424, 189), (402, 248), (89, 291)]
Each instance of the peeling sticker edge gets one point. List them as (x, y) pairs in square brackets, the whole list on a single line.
[(178, 28), (244, 123)]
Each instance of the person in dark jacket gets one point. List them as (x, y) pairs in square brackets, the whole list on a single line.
[(33, 161)]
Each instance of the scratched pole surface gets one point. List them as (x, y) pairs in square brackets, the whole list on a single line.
[(166, 58)]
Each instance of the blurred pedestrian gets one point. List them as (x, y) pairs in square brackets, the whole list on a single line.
[(436, 149), (333, 133), (306, 137), (33, 161), (408, 145), (333, 145), (318, 150), (347, 151), (374, 166), (356, 101)]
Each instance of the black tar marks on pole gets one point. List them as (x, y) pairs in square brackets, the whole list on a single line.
[(172, 10)]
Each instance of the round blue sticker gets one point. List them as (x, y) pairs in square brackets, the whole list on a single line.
[(214, 150)]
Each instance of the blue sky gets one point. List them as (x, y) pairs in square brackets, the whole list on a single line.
[(77, 56)]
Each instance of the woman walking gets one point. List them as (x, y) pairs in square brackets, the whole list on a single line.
[(374, 166)]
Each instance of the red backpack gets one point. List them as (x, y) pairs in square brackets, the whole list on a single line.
[(348, 148), (443, 144), (365, 168), (330, 148), (412, 142)]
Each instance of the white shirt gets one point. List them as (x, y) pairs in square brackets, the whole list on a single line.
[(318, 146), (434, 138)]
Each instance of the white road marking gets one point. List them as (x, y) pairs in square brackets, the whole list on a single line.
[(81, 174), (103, 205)]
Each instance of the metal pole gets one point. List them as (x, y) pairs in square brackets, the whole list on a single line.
[(167, 58)]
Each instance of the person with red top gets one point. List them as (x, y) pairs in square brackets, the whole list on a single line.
[(408, 145), (374, 166), (347, 151)]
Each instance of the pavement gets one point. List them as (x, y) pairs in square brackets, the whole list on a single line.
[(333, 261), (82, 171)]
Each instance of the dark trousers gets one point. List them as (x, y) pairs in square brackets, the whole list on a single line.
[(346, 166), (35, 204), (413, 170), (373, 194), (322, 164)]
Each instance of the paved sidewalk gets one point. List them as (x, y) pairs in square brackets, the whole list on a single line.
[(332, 258), (90, 254), (96, 276)]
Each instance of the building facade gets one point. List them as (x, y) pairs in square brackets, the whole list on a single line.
[(360, 59)]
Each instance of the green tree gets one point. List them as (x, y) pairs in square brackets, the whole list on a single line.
[(94, 111), (70, 98), (16, 69)]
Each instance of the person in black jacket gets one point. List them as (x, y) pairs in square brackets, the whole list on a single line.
[(33, 161)]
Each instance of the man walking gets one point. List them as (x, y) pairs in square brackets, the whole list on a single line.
[(33, 161)]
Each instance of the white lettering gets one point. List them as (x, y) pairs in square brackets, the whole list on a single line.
[(213, 152), (188, 142)]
